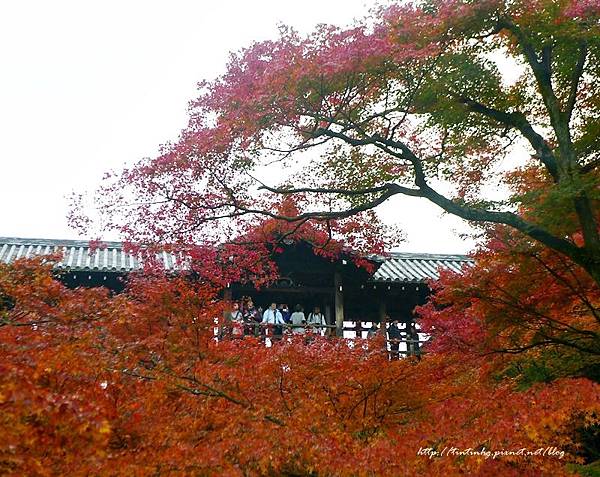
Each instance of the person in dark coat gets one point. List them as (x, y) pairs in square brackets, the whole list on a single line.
[(252, 318), (285, 313), (373, 331), (394, 335)]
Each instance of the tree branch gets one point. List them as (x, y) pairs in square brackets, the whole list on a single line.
[(518, 121), (577, 73), (590, 166), (468, 213), (324, 190)]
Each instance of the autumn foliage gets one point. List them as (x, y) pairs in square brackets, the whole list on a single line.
[(412, 100), (520, 299), (444, 100), (135, 384)]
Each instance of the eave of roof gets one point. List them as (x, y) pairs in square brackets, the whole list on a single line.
[(77, 257), (407, 267), (396, 267)]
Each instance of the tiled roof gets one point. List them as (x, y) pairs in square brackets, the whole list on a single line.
[(417, 267), (77, 256), (396, 267)]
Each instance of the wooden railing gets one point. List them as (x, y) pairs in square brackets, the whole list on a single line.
[(277, 332)]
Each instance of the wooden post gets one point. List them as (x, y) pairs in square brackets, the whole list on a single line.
[(227, 294), (328, 319), (382, 312), (339, 304), (383, 320), (358, 329)]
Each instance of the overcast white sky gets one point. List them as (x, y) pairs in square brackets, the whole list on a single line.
[(90, 86)]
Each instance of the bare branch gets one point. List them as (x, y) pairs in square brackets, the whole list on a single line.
[(325, 190), (577, 72), (518, 121), (399, 149), (590, 166)]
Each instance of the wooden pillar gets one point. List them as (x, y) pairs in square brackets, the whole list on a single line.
[(383, 320), (382, 311), (222, 326), (227, 294), (339, 304), (328, 315), (358, 328)]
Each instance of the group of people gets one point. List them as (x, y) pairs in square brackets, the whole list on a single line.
[(245, 319)]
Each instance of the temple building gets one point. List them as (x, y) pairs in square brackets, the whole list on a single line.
[(348, 295)]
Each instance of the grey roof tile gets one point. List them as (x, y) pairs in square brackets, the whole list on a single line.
[(416, 267), (395, 267)]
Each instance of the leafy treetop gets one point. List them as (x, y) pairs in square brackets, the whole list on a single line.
[(426, 98)]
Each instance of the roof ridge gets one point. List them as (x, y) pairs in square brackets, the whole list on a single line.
[(113, 244), (432, 256), (57, 242), (393, 266)]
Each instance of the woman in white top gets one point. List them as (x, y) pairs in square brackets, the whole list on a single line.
[(317, 319), (298, 321), (234, 321)]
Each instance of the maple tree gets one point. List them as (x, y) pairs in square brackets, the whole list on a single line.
[(412, 100), (135, 384), (520, 299), (523, 302), (439, 99)]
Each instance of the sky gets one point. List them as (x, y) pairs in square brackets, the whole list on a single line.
[(87, 87)]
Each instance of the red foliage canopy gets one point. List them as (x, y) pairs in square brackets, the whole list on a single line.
[(412, 100), (136, 385)]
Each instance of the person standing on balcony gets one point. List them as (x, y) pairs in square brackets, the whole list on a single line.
[(317, 320), (233, 321), (252, 318), (273, 319), (298, 321), (286, 314), (413, 340), (394, 335), (373, 331)]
